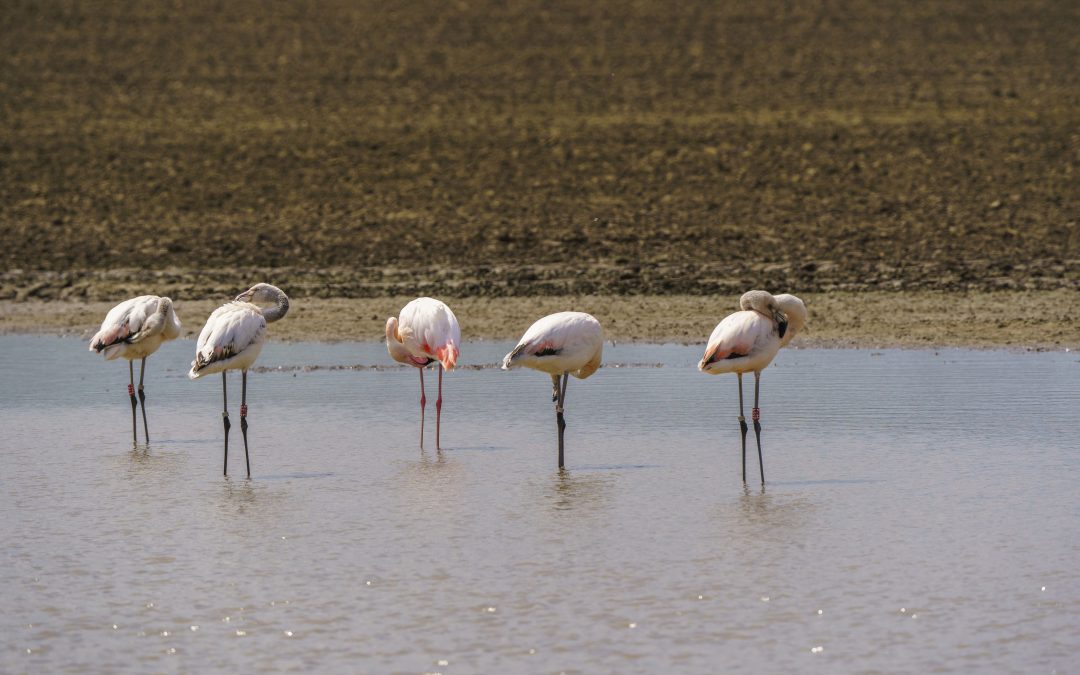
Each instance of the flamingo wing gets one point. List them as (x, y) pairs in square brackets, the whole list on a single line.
[(736, 336), (429, 329), (126, 323), (230, 330), (573, 338)]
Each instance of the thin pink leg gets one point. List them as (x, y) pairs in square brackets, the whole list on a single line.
[(423, 402), (438, 411)]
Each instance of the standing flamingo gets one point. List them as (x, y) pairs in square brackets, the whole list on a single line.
[(748, 340), (231, 340), (566, 343), (135, 329), (426, 331)]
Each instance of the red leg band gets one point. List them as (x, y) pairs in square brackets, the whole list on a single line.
[(131, 390), (756, 416), (243, 411)]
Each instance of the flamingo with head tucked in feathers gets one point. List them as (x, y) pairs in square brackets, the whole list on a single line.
[(747, 341), (425, 332), (562, 344), (231, 340), (135, 329)]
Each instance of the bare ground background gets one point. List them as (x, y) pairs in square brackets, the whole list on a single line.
[(883, 159)]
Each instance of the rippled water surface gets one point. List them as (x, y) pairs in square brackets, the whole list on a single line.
[(921, 513)]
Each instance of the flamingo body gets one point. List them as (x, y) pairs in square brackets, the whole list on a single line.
[(565, 342), (136, 328), (425, 331), (232, 339), (743, 342)]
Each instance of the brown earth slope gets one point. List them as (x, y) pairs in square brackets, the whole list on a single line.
[(367, 149)]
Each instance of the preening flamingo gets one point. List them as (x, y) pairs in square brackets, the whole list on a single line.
[(566, 343), (424, 332), (231, 340), (135, 329), (748, 340)]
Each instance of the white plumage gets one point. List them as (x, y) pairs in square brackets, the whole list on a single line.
[(135, 328), (565, 342), (425, 330), (742, 342), (232, 339)]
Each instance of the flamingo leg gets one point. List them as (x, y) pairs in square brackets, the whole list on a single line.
[(757, 426), (554, 388), (225, 417), (560, 421), (438, 411), (142, 400), (134, 404), (743, 428), (243, 419), (423, 403)]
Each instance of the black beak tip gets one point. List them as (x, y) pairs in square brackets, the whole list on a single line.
[(783, 328)]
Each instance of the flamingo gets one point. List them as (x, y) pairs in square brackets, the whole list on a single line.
[(748, 340), (231, 340), (565, 343), (426, 331), (135, 329)]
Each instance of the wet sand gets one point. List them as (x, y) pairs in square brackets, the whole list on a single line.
[(1007, 319)]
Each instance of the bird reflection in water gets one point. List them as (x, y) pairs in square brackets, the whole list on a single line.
[(579, 492)]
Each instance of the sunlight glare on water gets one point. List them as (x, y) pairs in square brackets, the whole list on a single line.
[(920, 513)]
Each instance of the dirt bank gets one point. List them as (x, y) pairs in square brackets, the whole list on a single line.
[(1017, 320)]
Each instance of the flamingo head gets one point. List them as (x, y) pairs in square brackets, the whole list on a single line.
[(259, 293), (763, 302), (392, 330)]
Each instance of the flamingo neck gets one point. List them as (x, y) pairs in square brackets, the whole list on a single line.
[(279, 310)]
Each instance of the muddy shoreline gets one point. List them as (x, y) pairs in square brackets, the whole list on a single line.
[(1022, 320)]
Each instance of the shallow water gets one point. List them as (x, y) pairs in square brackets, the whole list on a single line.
[(920, 514)]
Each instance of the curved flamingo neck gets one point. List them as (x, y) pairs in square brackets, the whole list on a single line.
[(279, 310)]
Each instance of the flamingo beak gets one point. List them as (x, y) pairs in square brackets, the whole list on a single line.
[(244, 297), (781, 321)]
